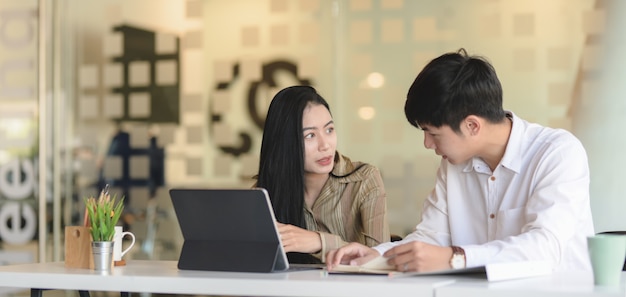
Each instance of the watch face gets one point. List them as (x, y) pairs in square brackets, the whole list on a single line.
[(458, 261)]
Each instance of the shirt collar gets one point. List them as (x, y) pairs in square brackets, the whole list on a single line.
[(343, 166), (511, 158)]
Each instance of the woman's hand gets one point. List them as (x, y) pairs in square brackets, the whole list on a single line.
[(296, 239)]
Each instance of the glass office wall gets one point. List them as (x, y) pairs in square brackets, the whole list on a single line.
[(19, 124), (148, 95)]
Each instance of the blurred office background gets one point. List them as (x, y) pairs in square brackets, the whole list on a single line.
[(148, 95)]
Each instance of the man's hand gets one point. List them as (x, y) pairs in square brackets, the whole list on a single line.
[(350, 254), (419, 256), (296, 239)]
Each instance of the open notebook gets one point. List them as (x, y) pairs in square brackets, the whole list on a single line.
[(493, 272), (228, 230)]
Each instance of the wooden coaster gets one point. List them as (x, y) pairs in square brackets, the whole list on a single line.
[(119, 263)]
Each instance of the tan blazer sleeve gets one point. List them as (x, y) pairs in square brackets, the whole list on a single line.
[(329, 242)]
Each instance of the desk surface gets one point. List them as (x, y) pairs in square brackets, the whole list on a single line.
[(565, 284), (165, 277)]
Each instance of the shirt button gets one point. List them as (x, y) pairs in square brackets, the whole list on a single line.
[(491, 216), (493, 178)]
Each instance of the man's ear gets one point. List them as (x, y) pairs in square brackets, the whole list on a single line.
[(473, 124)]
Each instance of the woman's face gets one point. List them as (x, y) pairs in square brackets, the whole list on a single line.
[(320, 140)]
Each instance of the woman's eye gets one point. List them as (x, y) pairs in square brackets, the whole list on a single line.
[(330, 130), (310, 135)]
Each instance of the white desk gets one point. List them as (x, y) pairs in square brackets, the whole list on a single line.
[(565, 284), (164, 277)]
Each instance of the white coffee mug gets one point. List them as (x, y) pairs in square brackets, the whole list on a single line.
[(117, 243)]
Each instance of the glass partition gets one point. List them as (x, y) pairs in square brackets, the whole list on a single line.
[(148, 95)]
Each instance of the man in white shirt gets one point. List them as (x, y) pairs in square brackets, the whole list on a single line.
[(507, 190)]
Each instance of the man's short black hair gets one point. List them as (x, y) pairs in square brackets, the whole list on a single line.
[(452, 87)]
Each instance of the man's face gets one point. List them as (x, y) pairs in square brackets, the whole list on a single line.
[(446, 143)]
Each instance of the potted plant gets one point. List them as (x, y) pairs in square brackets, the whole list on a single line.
[(103, 214)]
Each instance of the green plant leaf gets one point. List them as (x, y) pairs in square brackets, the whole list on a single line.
[(104, 214)]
